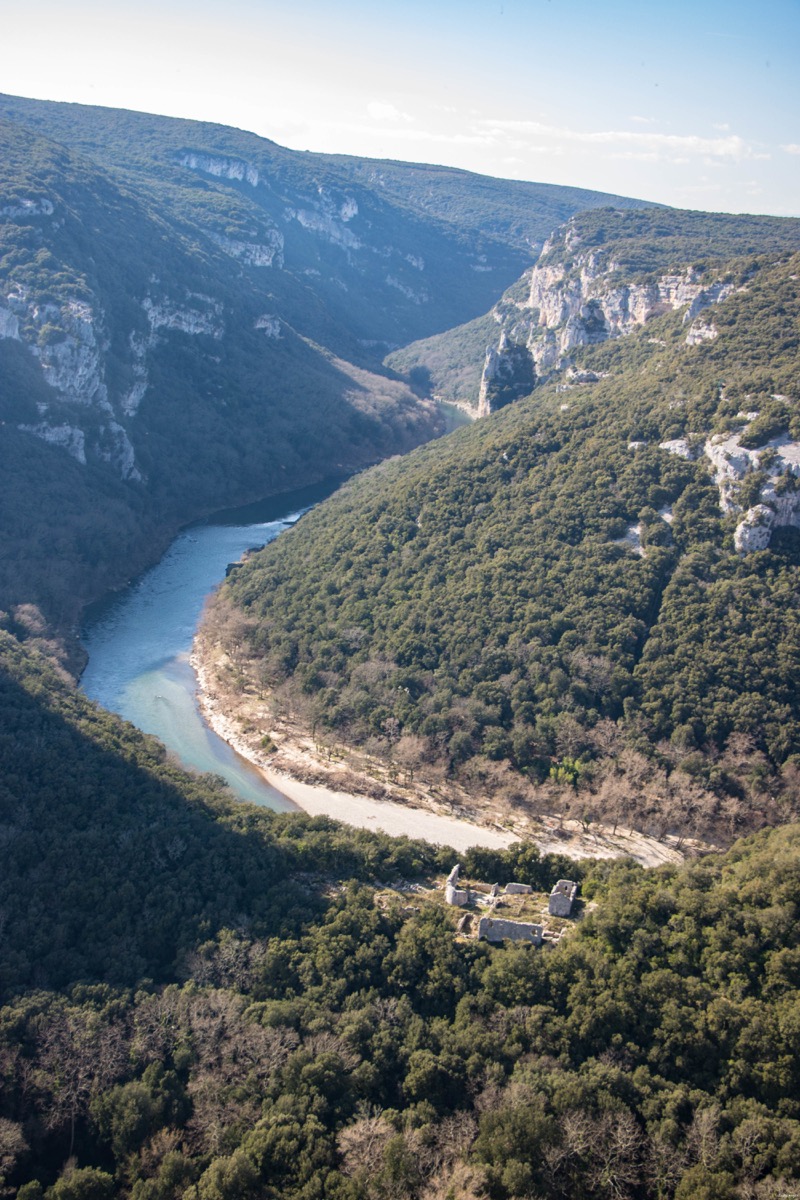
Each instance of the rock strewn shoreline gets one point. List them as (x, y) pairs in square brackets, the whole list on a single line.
[(346, 796)]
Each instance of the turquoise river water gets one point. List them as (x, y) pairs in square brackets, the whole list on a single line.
[(139, 639)]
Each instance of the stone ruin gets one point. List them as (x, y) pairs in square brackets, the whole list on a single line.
[(562, 898), (494, 929), (453, 894)]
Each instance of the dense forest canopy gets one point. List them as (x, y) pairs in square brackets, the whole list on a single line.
[(207, 1000)]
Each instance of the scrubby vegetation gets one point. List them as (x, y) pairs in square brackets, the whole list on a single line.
[(481, 605)]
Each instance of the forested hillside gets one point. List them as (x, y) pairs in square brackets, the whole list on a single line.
[(192, 317), (207, 1000), (587, 601), (595, 588)]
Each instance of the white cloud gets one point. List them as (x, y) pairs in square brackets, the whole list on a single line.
[(792, 148), (643, 120), (379, 110), (723, 127), (647, 146)]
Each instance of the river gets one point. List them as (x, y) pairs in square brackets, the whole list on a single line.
[(139, 639)]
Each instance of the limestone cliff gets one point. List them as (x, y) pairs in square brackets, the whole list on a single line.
[(508, 373), (602, 275), (773, 466), (580, 299)]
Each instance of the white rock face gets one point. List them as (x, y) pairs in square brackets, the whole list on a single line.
[(679, 446), (581, 302), (507, 375), (632, 540), (204, 317), (755, 530), (420, 297), (69, 437), (491, 369), (255, 254), (221, 168), (327, 225), (28, 208), (731, 462), (72, 360), (269, 324), (139, 347), (701, 332), (115, 448), (580, 305), (73, 365)]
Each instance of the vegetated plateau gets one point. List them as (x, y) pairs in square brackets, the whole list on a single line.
[(207, 1000)]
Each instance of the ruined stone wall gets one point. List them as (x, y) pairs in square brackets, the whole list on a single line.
[(494, 929)]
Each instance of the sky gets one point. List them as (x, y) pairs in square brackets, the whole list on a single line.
[(691, 104)]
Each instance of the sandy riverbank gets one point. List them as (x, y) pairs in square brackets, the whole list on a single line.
[(299, 771)]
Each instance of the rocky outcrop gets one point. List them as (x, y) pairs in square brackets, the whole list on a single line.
[(114, 446), (415, 295), (701, 331), (775, 511), (221, 168), (202, 315), (579, 300), (28, 208), (508, 374), (139, 345), (71, 347), (329, 223), (269, 325), (266, 253), (778, 460), (69, 437), (680, 446), (69, 350), (9, 324)]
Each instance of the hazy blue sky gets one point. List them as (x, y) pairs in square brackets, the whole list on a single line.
[(694, 104)]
